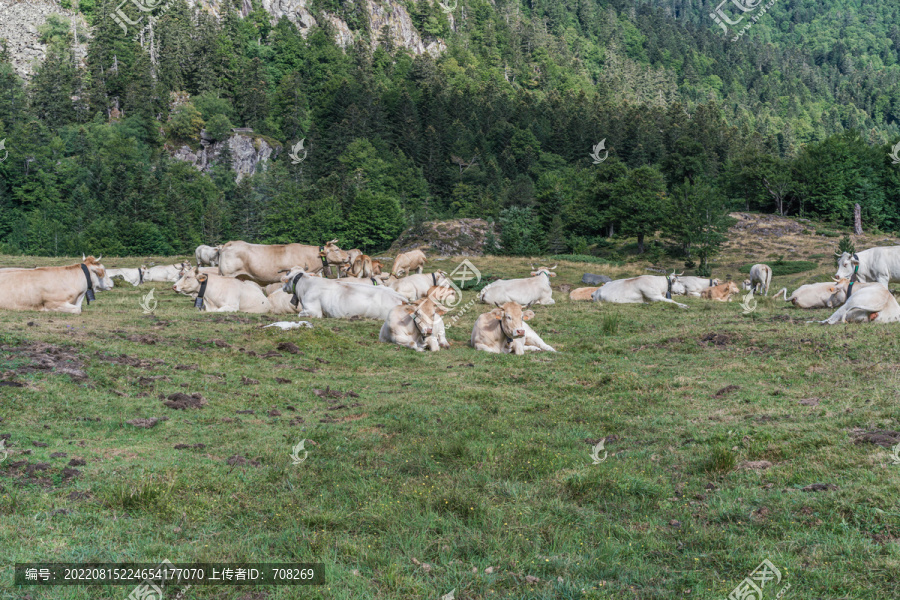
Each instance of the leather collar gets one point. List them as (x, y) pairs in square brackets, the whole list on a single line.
[(198, 303), (295, 300), (89, 294)]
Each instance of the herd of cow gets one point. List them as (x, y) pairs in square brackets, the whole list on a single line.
[(293, 279)]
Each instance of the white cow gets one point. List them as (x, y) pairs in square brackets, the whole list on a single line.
[(504, 331), (644, 288), (133, 276), (880, 264), (694, 286), (760, 279), (417, 286), (223, 294), (207, 256), (169, 273), (337, 299), (870, 304), (532, 290), (417, 326)]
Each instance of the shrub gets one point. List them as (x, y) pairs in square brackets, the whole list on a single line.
[(218, 127)]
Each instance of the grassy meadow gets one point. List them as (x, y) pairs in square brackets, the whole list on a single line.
[(459, 470)]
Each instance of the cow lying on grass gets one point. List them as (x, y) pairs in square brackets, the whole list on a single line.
[(584, 293), (133, 276), (695, 286), (645, 288), (417, 325), (504, 331), (223, 294), (532, 290), (870, 304), (721, 292), (52, 288), (339, 299)]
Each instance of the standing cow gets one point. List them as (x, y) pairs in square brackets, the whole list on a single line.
[(207, 256), (265, 264), (760, 279), (880, 264), (406, 262)]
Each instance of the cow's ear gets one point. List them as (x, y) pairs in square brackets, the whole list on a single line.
[(202, 277), (497, 313), (440, 311), (832, 290), (527, 315), (552, 274)]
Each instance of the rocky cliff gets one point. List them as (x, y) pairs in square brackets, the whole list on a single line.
[(247, 152), (19, 22)]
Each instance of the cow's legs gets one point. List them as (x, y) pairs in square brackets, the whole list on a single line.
[(534, 342), (678, 304), (68, 307), (310, 313), (487, 348)]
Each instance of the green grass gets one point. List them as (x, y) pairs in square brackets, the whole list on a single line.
[(459, 459), (786, 267)]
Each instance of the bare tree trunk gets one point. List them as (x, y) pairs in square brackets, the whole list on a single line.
[(857, 220)]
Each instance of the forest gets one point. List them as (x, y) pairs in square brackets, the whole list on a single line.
[(798, 117)]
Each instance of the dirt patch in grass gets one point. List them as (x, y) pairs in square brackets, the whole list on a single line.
[(716, 339), (131, 361), (147, 423), (180, 401), (289, 347), (886, 438), (725, 391), (44, 357), (240, 461), (330, 393)]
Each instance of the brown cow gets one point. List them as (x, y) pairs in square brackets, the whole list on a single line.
[(722, 292), (582, 293), (52, 288), (504, 331), (265, 264), (406, 262)]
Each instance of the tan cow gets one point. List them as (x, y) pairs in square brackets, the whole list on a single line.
[(361, 267), (377, 267), (265, 264), (504, 331), (52, 288), (280, 302), (417, 326), (351, 256), (722, 292), (406, 262), (223, 294), (582, 293)]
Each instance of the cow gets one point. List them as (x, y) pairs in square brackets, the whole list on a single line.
[(280, 302), (598, 280), (644, 288), (532, 290), (166, 273), (377, 267), (207, 256), (361, 266), (351, 256), (417, 286), (60, 289), (694, 286), (266, 264), (222, 294), (337, 299), (869, 304), (417, 325), (406, 262), (829, 294), (721, 291), (133, 276), (880, 264), (582, 293), (760, 279), (504, 331)]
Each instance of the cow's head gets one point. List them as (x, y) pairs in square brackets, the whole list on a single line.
[(746, 285), (733, 288), (377, 266), (99, 278), (512, 317), (190, 281), (424, 313), (846, 264), (334, 255), (442, 294), (716, 282), (678, 288), (548, 271), (292, 278)]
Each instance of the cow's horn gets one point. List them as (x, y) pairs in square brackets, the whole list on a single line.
[(497, 304), (83, 257), (529, 304), (99, 258), (553, 268)]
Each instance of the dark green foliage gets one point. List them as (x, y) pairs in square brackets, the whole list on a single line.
[(846, 245), (785, 267), (499, 126)]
